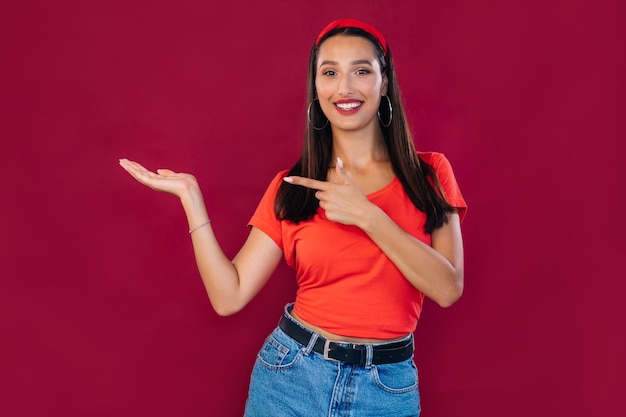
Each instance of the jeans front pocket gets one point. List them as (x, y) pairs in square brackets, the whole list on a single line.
[(396, 378), (279, 352)]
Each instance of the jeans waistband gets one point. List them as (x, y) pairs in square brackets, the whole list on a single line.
[(347, 352)]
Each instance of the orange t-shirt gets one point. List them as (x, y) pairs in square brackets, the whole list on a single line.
[(346, 284)]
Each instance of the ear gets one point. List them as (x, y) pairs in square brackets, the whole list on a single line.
[(384, 85)]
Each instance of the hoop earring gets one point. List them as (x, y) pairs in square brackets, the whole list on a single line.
[(308, 117), (390, 113)]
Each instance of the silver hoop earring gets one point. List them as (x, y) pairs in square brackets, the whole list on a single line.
[(311, 122), (390, 113)]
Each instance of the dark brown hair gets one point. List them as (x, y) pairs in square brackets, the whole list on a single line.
[(418, 179)]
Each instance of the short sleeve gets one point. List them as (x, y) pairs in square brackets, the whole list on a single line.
[(264, 217), (448, 182)]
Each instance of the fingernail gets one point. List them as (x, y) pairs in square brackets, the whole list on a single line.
[(288, 179), (340, 162)]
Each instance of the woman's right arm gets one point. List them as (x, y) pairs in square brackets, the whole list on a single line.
[(230, 285)]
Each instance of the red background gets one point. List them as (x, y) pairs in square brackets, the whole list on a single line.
[(102, 312)]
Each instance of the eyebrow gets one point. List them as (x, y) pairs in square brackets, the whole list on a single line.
[(357, 62)]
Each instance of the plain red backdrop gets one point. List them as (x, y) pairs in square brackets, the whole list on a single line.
[(102, 312)]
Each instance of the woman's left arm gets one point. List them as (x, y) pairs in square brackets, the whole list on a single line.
[(436, 270)]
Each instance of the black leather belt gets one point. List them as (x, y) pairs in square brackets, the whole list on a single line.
[(346, 352)]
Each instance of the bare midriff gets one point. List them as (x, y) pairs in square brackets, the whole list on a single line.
[(340, 338)]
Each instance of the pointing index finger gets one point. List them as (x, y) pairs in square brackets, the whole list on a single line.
[(307, 182)]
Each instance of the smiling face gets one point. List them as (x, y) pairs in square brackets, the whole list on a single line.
[(349, 82)]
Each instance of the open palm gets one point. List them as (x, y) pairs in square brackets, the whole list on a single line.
[(163, 180)]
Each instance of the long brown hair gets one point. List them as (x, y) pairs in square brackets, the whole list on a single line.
[(296, 204)]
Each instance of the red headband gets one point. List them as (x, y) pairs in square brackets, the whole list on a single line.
[(353, 23)]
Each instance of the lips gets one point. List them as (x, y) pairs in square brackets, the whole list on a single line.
[(349, 106)]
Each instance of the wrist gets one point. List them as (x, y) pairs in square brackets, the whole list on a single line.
[(192, 198), (370, 217), (205, 223)]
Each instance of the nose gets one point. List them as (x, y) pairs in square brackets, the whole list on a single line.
[(344, 87)]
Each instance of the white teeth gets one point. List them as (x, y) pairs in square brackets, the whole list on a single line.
[(348, 106)]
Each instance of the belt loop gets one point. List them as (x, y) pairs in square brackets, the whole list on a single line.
[(288, 308), (369, 354), (311, 344)]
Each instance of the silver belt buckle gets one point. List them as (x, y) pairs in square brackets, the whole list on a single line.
[(326, 350)]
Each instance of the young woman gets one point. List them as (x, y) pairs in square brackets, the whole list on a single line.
[(371, 227)]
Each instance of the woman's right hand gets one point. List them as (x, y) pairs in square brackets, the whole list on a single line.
[(230, 285), (163, 180)]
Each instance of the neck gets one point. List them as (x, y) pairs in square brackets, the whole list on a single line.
[(359, 149)]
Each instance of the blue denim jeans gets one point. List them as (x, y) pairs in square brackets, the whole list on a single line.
[(292, 380)]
